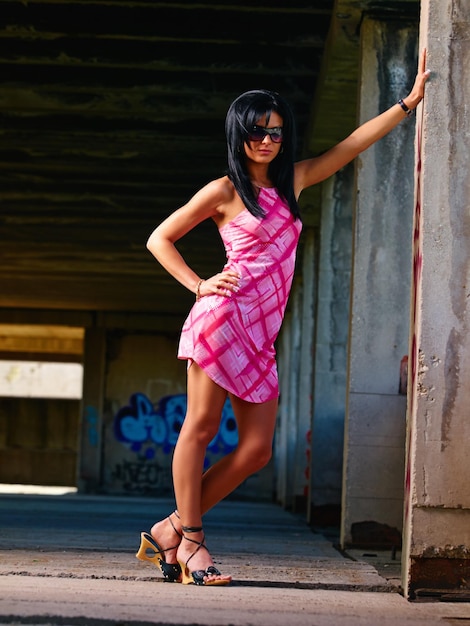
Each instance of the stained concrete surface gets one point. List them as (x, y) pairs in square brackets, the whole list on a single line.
[(70, 560)]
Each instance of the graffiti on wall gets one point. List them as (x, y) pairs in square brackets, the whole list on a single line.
[(150, 431), (141, 477)]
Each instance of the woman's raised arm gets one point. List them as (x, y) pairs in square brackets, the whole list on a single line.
[(312, 171)]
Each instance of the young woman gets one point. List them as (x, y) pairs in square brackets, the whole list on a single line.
[(228, 337)]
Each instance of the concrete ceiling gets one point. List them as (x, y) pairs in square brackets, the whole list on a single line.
[(113, 116)]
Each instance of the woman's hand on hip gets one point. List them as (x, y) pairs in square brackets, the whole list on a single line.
[(223, 284)]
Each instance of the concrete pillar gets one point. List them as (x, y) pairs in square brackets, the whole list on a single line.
[(288, 428), (295, 330), (436, 551), (285, 435), (292, 449), (91, 427), (329, 397), (375, 422), (305, 375)]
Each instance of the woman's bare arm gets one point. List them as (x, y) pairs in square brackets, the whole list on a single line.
[(312, 171), (161, 243)]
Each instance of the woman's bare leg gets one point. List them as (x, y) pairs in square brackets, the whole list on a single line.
[(205, 403), (256, 424), (201, 424), (204, 410)]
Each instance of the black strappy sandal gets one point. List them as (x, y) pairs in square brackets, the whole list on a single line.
[(197, 577), (171, 571)]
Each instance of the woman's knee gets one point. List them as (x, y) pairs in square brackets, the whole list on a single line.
[(264, 456), (255, 457), (201, 429)]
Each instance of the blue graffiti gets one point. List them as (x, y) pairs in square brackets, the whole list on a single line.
[(145, 428)]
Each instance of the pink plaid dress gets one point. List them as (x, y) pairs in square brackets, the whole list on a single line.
[(232, 338)]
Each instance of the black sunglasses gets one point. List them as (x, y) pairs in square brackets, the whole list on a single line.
[(258, 133)]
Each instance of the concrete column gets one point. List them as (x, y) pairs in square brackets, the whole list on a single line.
[(305, 375), (284, 440), (292, 450), (295, 330), (289, 368), (436, 551), (91, 427), (329, 397), (375, 422)]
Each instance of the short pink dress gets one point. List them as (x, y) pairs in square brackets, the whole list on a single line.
[(232, 337)]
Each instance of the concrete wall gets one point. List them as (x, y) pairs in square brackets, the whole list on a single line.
[(437, 512), (137, 444), (287, 431), (295, 366), (38, 441), (331, 341), (119, 437), (40, 388), (375, 428), (131, 419)]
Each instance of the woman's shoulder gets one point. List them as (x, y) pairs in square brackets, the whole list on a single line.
[(225, 199), (213, 196), (222, 195), (221, 189)]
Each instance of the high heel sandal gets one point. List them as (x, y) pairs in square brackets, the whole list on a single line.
[(197, 577), (170, 571)]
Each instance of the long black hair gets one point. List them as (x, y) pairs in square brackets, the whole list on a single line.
[(244, 112)]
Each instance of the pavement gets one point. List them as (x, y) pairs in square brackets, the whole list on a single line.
[(68, 559)]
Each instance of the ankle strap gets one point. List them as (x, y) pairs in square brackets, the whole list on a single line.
[(191, 529), (199, 544), (172, 525)]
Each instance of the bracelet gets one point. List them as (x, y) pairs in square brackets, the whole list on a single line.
[(405, 108), (198, 289)]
